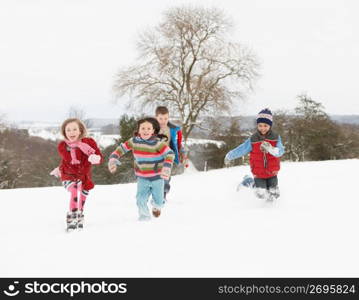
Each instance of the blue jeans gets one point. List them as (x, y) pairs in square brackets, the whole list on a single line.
[(146, 188)]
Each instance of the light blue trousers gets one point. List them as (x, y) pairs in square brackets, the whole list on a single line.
[(146, 188)]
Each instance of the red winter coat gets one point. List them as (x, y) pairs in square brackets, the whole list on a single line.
[(263, 165), (81, 171)]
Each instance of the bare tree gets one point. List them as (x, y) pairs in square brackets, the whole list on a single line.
[(79, 113), (189, 64)]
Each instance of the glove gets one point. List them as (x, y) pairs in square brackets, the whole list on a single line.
[(185, 160), (268, 148), (94, 159), (265, 146), (166, 173), (227, 162), (112, 164), (56, 172)]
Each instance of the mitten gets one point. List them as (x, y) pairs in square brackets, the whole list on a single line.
[(267, 147), (185, 160), (56, 172), (112, 164), (227, 161), (166, 173), (94, 159)]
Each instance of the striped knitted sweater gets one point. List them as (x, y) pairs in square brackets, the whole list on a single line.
[(150, 156)]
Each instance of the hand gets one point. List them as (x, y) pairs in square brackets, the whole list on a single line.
[(185, 160), (56, 172), (112, 164), (186, 163), (166, 173), (94, 159), (227, 162), (265, 146), (268, 148)]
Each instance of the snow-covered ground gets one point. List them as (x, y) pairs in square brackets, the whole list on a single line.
[(206, 229)]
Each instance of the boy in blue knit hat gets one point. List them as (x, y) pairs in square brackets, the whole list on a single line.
[(265, 149)]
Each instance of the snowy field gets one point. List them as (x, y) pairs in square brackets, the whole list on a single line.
[(206, 229)]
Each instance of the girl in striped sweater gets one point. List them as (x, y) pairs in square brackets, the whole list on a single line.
[(152, 161)]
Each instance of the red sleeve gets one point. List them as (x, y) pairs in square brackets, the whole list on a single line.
[(61, 149), (179, 140)]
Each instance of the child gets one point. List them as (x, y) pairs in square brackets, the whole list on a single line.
[(153, 161), (77, 154), (265, 148), (174, 141)]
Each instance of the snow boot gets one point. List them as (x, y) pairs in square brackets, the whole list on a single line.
[(273, 194), (156, 212), (80, 219), (247, 182), (71, 221)]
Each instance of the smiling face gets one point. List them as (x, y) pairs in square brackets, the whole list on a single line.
[(72, 131), (263, 128), (146, 130), (163, 119)]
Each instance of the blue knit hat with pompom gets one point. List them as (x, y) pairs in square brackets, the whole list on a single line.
[(265, 116)]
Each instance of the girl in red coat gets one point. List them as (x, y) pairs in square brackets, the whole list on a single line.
[(265, 149), (77, 153)]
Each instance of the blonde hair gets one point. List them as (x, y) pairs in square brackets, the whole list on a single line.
[(82, 127)]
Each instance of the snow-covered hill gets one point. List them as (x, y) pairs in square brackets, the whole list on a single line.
[(206, 229)]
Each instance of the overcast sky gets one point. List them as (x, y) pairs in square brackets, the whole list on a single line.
[(56, 54)]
